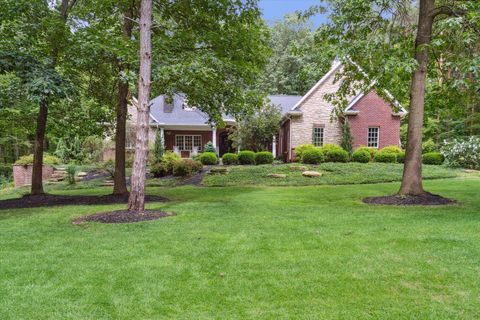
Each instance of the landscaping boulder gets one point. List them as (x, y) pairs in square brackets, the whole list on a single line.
[(218, 170), (311, 174), (81, 174), (298, 168), (277, 175)]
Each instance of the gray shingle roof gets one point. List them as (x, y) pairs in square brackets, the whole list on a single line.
[(177, 114)]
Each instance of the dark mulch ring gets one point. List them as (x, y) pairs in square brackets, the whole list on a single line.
[(124, 216), (48, 200), (427, 199)]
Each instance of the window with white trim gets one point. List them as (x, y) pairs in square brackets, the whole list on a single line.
[(317, 136), (373, 137), (188, 142)]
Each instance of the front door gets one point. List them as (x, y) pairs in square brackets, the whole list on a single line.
[(225, 144)]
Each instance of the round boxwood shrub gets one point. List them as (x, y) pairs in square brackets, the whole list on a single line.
[(330, 147), (432, 158), (336, 156), (230, 158), (361, 155), (387, 157), (264, 157), (208, 158), (313, 156), (372, 151), (401, 157), (391, 149), (300, 149), (246, 157)]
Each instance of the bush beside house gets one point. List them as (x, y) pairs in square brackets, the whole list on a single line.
[(246, 157), (230, 159)]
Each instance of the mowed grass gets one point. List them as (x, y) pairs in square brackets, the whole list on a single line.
[(311, 252), (333, 173)]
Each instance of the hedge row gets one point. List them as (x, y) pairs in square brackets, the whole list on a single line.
[(247, 157)]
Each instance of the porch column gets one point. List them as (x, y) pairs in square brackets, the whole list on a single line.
[(214, 138), (162, 137), (274, 147)]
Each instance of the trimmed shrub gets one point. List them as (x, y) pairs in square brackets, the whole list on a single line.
[(401, 157), (246, 157), (169, 158), (372, 151), (208, 158), (264, 157), (391, 149), (435, 158), (429, 146), (186, 167), (387, 157), (230, 159), (209, 147), (336, 156), (300, 149), (313, 156), (47, 159), (330, 147), (361, 155)]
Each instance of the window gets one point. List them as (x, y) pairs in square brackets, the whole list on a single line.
[(317, 137), (187, 142), (373, 137)]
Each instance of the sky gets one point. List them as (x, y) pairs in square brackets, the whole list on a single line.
[(275, 9)]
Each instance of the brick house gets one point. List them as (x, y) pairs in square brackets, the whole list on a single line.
[(306, 119)]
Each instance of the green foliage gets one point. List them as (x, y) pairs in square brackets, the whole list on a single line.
[(336, 155), (435, 158), (5, 170), (71, 172), (401, 157), (296, 63), (92, 148), (391, 149), (300, 149), (372, 151), (160, 170), (230, 159), (62, 151), (264, 157), (385, 157), (313, 156), (462, 152), (347, 138), (209, 147), (429, 146), (246, 157), (186, 167), (158, 148), (109, 167), (361, 155), (47, 159), (256, 132), (208, 158), (169, 158)]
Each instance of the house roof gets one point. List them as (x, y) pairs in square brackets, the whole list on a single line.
[(178, 112)]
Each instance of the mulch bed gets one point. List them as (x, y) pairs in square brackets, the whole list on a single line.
[(123, 216), (427, 199), (48, 200)]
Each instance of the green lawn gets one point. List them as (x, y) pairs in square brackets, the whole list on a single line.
[(312, 252), (333, 173)]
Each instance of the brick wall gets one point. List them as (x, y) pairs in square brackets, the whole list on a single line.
[(22, 175), (374, 112), (317, 111)]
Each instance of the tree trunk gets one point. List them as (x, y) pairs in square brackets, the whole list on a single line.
[(119, 180), (136, 202), (37, 186), (412, 170)]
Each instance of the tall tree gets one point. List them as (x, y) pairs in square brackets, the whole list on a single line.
[(136, 202), (376, 38)]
